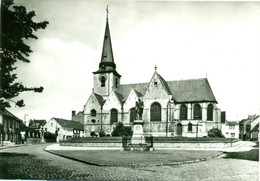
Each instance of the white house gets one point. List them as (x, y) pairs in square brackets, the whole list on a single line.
[(230, 129), (64, 128)]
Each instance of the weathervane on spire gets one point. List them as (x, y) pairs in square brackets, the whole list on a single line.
[(107, 11)]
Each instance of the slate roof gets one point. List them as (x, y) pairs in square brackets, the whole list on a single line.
[(231, 123), (165, 84), (120, 97), (256, 128), (5, 112), (249, 120), (37, 124), (125, 89), (100, 99), (192, 90), (69, 124)]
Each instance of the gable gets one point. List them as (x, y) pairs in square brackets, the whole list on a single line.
[(113, 101), (157, 88), (131, 99), (95, 101)]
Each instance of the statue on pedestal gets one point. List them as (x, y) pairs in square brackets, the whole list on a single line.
[(139, 106)]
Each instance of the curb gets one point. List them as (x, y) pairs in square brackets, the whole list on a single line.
[(75, 159), (138, 165), (14, 146)]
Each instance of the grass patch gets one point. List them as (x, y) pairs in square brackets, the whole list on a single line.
[(126, 158), (252, 155)]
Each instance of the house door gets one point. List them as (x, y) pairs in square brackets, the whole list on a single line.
[(179, 129)]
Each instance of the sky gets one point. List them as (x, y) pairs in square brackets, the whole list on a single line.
[(185, 40)]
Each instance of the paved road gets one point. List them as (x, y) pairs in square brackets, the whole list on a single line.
[(31, 162)]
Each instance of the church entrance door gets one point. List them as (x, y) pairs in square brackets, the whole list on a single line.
[(179, 129)]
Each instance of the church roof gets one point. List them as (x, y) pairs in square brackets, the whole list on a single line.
[(192, 90), (125, 89), (100, 99), (120, 97), (164, 83)]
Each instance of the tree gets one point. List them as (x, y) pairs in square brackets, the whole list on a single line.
[(215, 132), (16, 27), (121, 130)]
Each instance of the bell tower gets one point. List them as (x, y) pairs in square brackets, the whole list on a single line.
[(106, 77)]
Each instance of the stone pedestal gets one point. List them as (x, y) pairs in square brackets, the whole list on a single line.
[(138, 137)]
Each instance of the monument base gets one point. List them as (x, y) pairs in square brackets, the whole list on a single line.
[(138, 139)]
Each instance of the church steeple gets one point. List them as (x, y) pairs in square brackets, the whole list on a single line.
[(107, 63), (106, 78)]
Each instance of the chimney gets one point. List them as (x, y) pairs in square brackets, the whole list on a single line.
[(73, 113), (223, 116)]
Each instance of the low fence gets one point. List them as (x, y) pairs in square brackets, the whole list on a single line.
[(155, 142), (93, 142), (33, 140)]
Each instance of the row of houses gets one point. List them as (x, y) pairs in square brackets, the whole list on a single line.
[(13, 130), (246, 129)]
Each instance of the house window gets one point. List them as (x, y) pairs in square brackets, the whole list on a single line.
[(93, 112), (132, 114), (45, 129), (232, 135), (183, 112), (190, 127), (113, 116), (247, 128), (197, 112), (210, 112), (231, 127), (156, 112), (93, 121)]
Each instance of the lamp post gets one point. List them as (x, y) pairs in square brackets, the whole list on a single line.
[(42, 134)]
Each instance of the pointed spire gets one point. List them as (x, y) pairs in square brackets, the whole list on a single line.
[(107, 59), (107, 52)]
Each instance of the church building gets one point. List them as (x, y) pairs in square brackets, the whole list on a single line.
[(171, 108)]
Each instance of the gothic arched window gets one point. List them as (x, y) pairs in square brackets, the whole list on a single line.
[(183, 112), (210, 112), (93, 112), (155, 112), (197, 112), (189, 127), (103, 81), (132, 114), (113, 116)]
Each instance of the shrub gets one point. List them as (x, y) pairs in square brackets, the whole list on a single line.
[(102, 134), (121, 130), (50, 137), (93, 134), (215, 132)]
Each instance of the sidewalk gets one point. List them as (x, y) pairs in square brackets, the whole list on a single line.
[(11, 146)]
